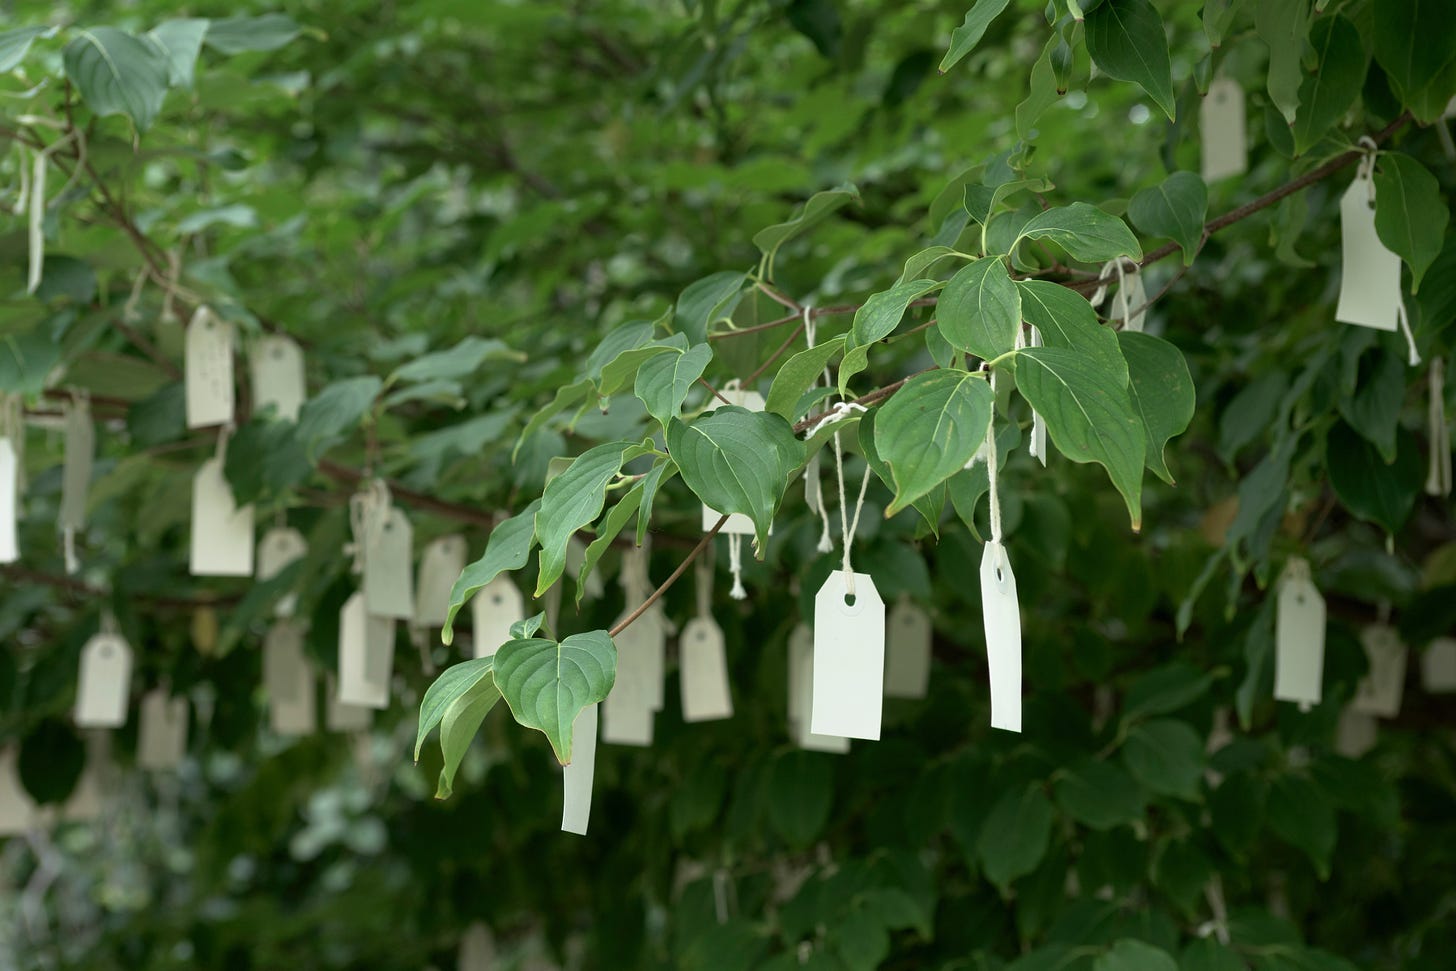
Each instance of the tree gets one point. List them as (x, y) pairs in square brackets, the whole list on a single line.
[(533, 258)]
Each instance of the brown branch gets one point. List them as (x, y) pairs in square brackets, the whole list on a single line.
[(672, 578), (716, 393), (82, 588), (788, 342)]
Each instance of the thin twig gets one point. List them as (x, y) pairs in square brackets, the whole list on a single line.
[(672, 578), (788, 342)]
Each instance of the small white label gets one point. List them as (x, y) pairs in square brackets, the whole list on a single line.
[(1299, 636), (340, 716), (17, 809), (222, 534), (289, 681), (1038, 445), (9, 486), (209, 370), (907, 651), (80, 453), (849, 658), (388, 582), (441, 564), (1222, 126), (103, 687), (704, 675), (1001, 613), (477, 949), (496, 606), (577, 776), (1370, 273), (161, 731), (1438, 666), (1379, 692), (279, 547), (1356, 733), (277, 370), (801, 695), (366, 655), (737, 523)]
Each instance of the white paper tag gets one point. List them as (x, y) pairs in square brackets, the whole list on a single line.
[(477, 949), (1038, 445), (1356, 733), (801, 695), (17, 809), (1299, 636), (289, 681), (1438, 666), (80, 454), (1370, 273), (1222, 126), (704, 674), (9, 486), (1130, 303), (641, 655), (737, 523), (495, 607), (1379, 692), (277, 370), (576, 777), (388, 579), (626, 717), (209, 370), (907, 651), (441, 564), (340, 716), (366, 655), (279, 547), (849, 658), (1001, 613), (161, 730), (103, 686), (222, 534)]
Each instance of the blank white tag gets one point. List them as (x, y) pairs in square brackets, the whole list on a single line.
[(738, 522), (1369, 273), (1299, 636), (704, 675), (641, 656), (80, 453), (576, 778), (907, 651), (279, 547), (9, 485), (801, 695), (17, 810), (104, 684), (477, 949), (441, 564), (161, 730), (388, 580), (289, 681), (1038, 445), (1379, 692), (366, 655), (1438, 666), (277, 369), (576, 556), (340, 716), (849, 658), (222, 534), (496, 606), (1356, 733), (626, 717), (209, 370), (1001, 613), (1222, 127)]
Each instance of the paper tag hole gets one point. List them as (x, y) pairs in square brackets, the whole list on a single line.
[(495, 599), (849, 599), (1000, 577)]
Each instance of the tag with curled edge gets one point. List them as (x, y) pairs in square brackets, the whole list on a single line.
[(495, 607), (578, 775), (277, 373), (1222, 127), (907, 650), (222, 534), (1299, 636), (209, 370), (103, 687), (1001, 613), (1038, 445), (441, 563), (1369, 272), (849, 658), (1379, 692)]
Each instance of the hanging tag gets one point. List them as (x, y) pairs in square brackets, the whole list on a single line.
[(279, 547), (1130, 303), (1379, 692), (1002, 616), (209, 370), (626, 717), (340, 716), (477, 949), (366, 655), (1222, 126), (80, 453), (737, 523), (849, 658), (704, 676), (1370, 273), (162, 730), (801, 695), (388, 583), (1438, 666), (1038, 446), (9, 486), (642, 647), (907, 651), (1299, 636), (1356, 733), (104, 684), (288, 680), (441, 564), (577, 776), (1438, 478), (222, 534), (277, 371), (496, 606), (575, 557), (17, 809)]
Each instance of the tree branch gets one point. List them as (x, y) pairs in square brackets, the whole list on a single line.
[(682, 567)]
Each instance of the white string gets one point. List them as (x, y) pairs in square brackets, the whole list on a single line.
[(704, 591), (735, 566), (1410, 339), (813, 484), (368, 512), (848, 527), (840, 411), (991, 462)]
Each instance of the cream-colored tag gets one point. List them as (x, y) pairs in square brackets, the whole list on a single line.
[(642, 647), (575, 557), (1299, 636), (801, 695), (1438, 666), (1356, 733), (495, 607), (626, 716), (477, 949), (161, 731), (279, 547), (87, 799), (907, 651), (277, 370), (80, 454), (704, 675), (17, 809), (340, 716), (9, 486), (1380, 691), (103, 687), (1370, 273), (1222, 126), (289, 680), (366, 655), (577, 777), (1130, 302), (849, 657), (738, 522), (388, 580), (1001, 613), (441, 564), (209, 370), (222, 534), (1438, 477), (1038, 445)]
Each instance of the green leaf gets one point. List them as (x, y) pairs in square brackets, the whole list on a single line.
[(547, 684), (26, 361), (924, 261), (664, 381), (796, 376), (237, 35), (15, 44), (707, 301), (180, 41), (876, 320), (117, 74), (1166, 756), (1284, 27), (1088, 415), (1410, 215), (567, 396), (1165, 689), (800, 794), (1175, 209), (964, 38), (653, 481), (1374, 408), (1162, 393), (980, 309), (1100, 795), (929, 430), (929, 505), (458, 362), (1134, 955), (335, 410), (1207, 954), (1303, 816), (452, 684), (821, 206), (508, 548), (612, 526), (523, 629), (1014, 837), (1067, 320), (1412, 45), (1327, 93), (1126, 41), (458, 727), (737, 461), (573, 500), (1369, 487), (1044, 92), (1084, 231)]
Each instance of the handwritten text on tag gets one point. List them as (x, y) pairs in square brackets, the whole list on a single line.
[(209, 370)]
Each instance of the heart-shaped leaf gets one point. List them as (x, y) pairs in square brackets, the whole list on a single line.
[(117, 74), (663, 381), (980, 309), (930, 429), (1162, 393), (1084, 231), (737, 461), (547, 684), (507, 549), (1127, 42), (572, 500), (1174, 208)]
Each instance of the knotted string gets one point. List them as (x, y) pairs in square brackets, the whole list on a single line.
[(991, 464), (368, 512), (847, 527), (813, 484)]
